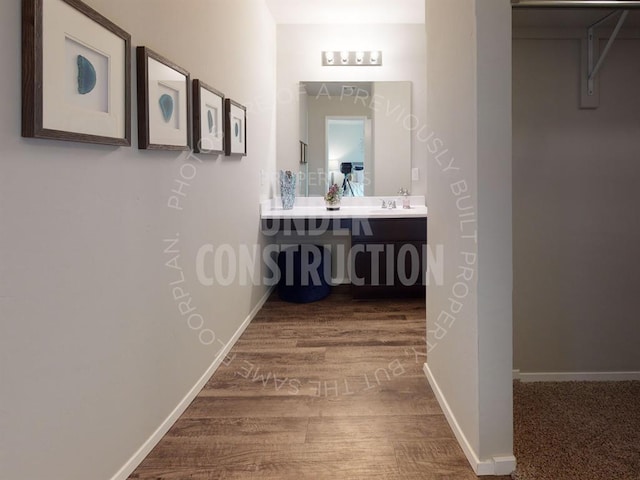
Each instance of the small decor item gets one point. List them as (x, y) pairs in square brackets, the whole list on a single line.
[(208, 116), (406, 201), (86, 76), (235, 117), (333, 196), (76, 74), (287, 189), (166, 106), (164, 121)]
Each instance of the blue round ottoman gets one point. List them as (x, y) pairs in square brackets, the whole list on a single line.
[(305, 273)]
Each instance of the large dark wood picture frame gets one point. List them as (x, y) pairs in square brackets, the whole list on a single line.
[(164, 103), (208, 119), (76, 74), (235, 118)]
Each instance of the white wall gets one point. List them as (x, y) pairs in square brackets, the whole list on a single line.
[(469, 198), (495, 256), (94, 354), (575, 198), (299, 59)]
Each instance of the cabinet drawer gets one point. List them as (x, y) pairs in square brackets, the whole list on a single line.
[(389, 230)]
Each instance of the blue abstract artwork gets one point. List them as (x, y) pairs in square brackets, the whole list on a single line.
[(210, 119), (86, 76), (166, 106)]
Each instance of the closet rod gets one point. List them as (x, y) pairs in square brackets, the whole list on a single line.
[(574, 4)]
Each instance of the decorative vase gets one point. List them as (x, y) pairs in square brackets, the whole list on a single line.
[(332, 198), (287, 189), (333, 205)]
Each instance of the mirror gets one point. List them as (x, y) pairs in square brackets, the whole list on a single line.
[(354, 134)]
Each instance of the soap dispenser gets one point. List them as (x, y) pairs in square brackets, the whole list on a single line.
[(406, 202)]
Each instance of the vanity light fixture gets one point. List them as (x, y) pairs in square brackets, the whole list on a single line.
[(359, 58)]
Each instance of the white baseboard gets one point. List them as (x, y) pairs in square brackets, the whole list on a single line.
[(161, 431), (498, 465), (527, 377)]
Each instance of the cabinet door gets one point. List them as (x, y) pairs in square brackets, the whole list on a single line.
[(372, 265), (409, 263), (388, 258)]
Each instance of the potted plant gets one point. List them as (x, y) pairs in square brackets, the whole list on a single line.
[(332, 198)]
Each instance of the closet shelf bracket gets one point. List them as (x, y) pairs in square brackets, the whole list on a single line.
[(593, 66)]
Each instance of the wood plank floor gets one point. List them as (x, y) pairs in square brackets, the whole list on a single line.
[(328, 390)]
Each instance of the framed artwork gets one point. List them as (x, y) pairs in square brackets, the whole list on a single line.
[(208, 119), (235, 127), (164, 103), (76, 74)]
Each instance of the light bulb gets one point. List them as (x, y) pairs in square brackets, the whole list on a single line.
[(344, 56), (329, 57)]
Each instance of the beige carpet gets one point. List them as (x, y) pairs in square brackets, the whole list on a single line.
[(577, 430)]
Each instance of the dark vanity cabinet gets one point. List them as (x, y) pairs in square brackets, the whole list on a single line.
[(388, 257)]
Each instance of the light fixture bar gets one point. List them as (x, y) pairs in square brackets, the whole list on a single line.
[(345, 58)]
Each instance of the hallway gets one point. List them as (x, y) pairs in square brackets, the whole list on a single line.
[(332, 389)]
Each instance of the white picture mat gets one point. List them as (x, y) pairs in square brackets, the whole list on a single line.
[(61, 21), (236, 115), (209, 101), (161, 79)]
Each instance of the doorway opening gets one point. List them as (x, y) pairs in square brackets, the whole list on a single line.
[(348, 161)]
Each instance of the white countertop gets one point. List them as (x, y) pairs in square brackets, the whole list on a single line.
[(350, 207)]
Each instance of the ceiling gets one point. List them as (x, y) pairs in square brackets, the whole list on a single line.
[(412, 11), (346, 11)]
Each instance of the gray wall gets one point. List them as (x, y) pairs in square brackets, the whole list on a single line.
[(576, 226), (94, 354)]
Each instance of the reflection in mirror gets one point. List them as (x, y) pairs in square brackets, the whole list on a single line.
[(347, 148), (356, 136)]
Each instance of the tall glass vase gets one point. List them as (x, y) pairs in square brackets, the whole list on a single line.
[(287, 189)]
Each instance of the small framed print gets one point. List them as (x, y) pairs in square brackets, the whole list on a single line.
[(76, 74), (164, 103), (208, 119), (235, 128)]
